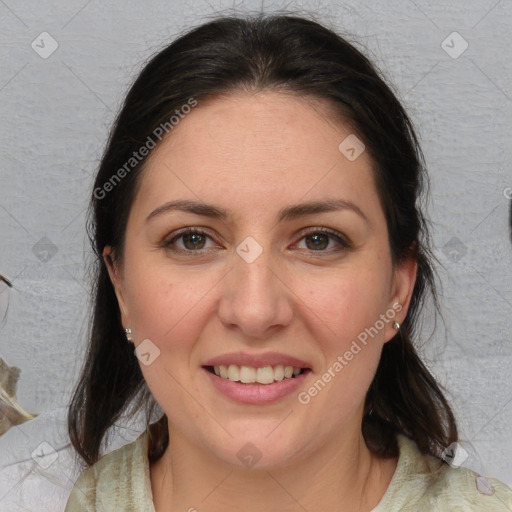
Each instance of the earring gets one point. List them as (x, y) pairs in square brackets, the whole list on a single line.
[(396, 325), (128, 332)]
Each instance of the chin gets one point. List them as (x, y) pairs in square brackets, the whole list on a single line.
[(258, 450)]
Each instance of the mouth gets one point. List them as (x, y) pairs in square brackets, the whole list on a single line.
[(264, 375)]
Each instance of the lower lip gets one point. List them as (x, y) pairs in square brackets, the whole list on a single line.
[(256, 393)]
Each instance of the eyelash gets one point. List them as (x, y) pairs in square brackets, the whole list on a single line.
[(342, 241)]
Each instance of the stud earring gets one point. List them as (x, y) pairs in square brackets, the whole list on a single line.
[(128, 333), (396, 325)]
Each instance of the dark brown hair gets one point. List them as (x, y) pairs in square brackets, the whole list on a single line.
[(266, 52)]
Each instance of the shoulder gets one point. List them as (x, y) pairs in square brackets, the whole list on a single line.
[(425, 483), (461, 489), (118, 481)]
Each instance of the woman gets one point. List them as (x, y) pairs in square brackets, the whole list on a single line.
[(260, 247)]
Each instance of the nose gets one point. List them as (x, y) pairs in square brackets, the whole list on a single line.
[(255, 298)]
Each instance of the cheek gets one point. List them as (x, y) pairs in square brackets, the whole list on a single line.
[(346, 305), (167, 305), (169, 309), (161, 308), (346, 327)]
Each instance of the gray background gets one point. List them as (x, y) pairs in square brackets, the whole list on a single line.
[(55, 117)]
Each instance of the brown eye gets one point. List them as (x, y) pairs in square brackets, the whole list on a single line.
[(192, 240), (320, 239)]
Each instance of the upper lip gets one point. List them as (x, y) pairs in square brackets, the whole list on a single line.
[(257, 360)]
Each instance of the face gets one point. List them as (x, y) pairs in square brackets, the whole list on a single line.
[(256, 288)]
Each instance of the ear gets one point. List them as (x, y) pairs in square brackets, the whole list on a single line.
[(116, 278), (404, 280)]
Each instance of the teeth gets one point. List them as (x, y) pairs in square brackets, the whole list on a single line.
[(233, 373), (249, 374), (265, 375), (279, 372)]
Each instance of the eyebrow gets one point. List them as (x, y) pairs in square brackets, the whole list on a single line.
[(285, 214)]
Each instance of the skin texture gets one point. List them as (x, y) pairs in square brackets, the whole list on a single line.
[(254, 154)]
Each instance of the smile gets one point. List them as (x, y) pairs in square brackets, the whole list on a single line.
[(256, 386), (251, 375)]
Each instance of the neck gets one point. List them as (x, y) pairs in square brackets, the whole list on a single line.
[(343, 476)]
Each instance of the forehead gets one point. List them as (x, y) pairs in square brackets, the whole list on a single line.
[(245, 150)]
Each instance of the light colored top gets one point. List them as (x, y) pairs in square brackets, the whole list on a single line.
[(120, 482)]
